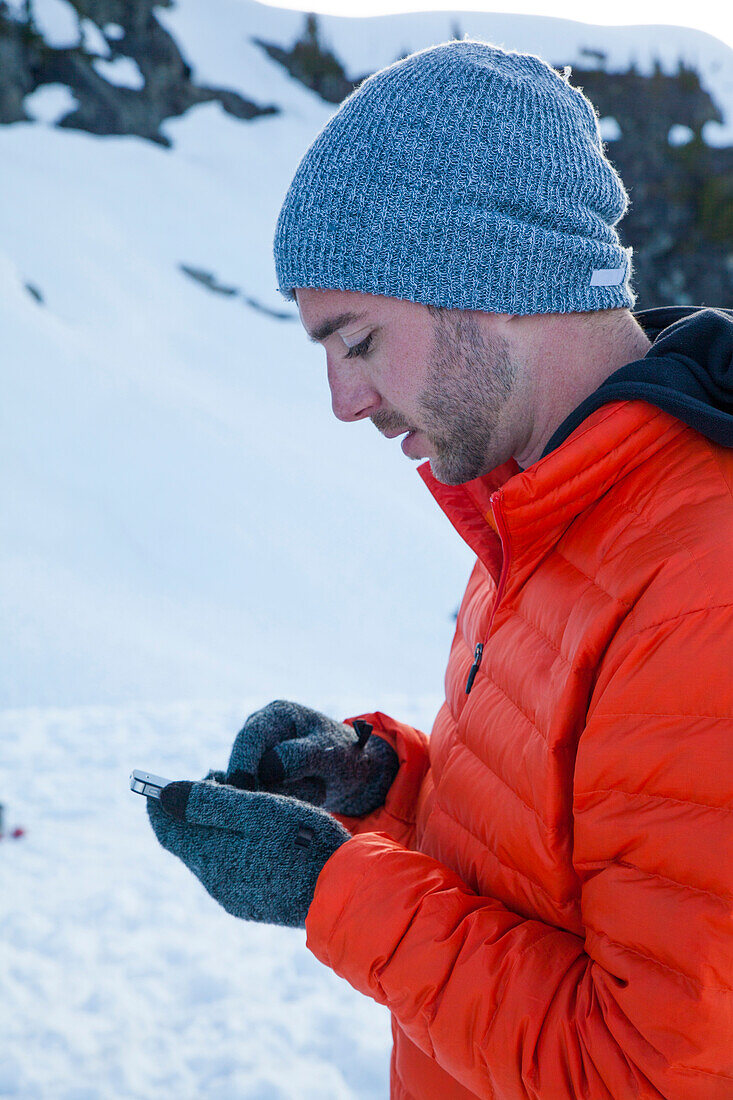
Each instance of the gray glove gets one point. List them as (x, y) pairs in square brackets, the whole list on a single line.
[(288, 749), (259, 855)]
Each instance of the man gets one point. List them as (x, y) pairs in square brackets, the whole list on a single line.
[(541, 892)]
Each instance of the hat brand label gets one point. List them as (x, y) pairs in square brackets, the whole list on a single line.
[(608, 276)]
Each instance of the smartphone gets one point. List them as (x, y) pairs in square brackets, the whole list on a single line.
[(148, 784)]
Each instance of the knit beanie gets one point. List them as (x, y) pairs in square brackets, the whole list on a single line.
[(463, 176)]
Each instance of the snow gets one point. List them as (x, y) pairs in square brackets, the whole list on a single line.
[(121, 977), (122, 71), (187, 533), (680, 135), (113, 31), (183, 516), (717, 135), (57, 22), (93, 39), (50, 103), (609, 128)]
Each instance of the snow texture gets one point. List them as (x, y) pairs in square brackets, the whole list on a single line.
[(57, 22), (123, 71), (50, 103), (93, 39), (609, 128), (680, 135), (122, 979)]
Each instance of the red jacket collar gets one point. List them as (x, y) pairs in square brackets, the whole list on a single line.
[(536, 505)]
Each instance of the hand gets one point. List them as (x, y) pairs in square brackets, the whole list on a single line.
[(288, 749), (259, 855)]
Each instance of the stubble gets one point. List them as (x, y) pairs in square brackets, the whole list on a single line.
[(471, 378)]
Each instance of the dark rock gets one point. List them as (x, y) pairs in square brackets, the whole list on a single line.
[(21, 54), (680, 221), (35, 293), (103, 107), (310, 63), (210, 281)]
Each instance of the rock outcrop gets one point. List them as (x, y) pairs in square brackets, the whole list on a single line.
[(129, 31), (313, 65)]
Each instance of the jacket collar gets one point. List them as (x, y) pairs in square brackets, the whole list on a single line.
[(523, 513), (687, 371)]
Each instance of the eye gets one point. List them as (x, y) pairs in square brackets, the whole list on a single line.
[(359, 349)]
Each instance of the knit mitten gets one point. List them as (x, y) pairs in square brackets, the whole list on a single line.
[(288, 749), (259, 855)]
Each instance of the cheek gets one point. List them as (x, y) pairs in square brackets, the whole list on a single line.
[(406, 379)]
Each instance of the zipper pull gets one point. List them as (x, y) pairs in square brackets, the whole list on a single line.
[(477, 655), (363, 732)]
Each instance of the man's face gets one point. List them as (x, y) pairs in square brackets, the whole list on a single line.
[(443, 377)]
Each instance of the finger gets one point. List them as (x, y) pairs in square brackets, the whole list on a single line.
[(168, 830), (311, 789), (293, 760), (218, 807), (174, 799), (265, 728), (215, 776), (161, 810)]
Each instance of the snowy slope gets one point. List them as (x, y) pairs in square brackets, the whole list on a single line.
[(186, 533), (184, 516), (121, 979)]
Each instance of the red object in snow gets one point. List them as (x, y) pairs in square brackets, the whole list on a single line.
[(17, 833)]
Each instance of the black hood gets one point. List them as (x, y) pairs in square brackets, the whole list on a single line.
[(688, 372)]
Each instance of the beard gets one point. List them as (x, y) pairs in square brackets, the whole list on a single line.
[(470, 379)]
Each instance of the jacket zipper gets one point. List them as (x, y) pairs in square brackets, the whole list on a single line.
[(504, 536), (477, 655)]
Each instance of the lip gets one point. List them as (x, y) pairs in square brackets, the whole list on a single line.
[(394, 435), (407, 445)]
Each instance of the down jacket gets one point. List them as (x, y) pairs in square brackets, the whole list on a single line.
[(544, 902)]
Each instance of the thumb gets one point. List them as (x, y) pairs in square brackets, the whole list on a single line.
[(293, 760), (174, 799), (218, 807)]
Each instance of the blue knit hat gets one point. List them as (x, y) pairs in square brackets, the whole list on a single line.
[(463, 176)]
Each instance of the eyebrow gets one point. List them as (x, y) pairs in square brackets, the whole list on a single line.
[(333, 323)]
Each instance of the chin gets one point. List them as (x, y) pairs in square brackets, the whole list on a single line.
[(449, 474), (446, 476)]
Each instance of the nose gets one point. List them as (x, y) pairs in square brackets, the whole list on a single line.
[(352, 395)]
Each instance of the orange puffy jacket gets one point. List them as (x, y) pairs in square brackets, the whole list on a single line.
[(544, 902)]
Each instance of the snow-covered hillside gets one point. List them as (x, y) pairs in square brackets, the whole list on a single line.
[(120, 978), (186, 533), (183, 517)]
